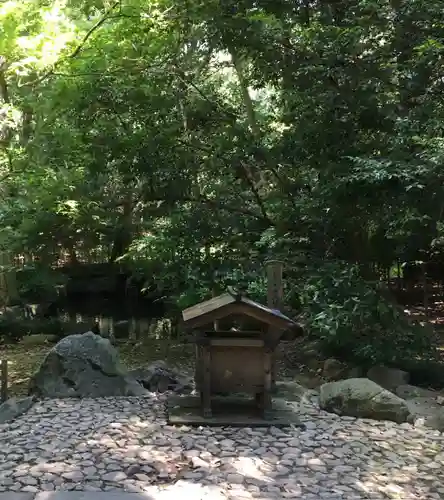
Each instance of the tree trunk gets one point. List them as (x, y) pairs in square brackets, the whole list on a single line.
[(8, 282), (124, 230), (243, 85), (73, 260)]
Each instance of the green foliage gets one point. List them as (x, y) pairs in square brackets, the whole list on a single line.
[(355, 322), (39, 283), (192, 140)]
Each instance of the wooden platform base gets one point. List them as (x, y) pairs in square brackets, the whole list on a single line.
[(229, 411)]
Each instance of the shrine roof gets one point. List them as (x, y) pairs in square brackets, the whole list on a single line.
[(234, 303)]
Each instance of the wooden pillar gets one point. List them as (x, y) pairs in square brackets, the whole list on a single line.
[(3, 380), (398, 268), (206, 379), (215, 322), (275, 295), (275, 290), (198, 365), (268, 374), (425, 289)]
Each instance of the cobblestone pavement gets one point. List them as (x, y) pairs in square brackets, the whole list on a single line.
[(124, 444)]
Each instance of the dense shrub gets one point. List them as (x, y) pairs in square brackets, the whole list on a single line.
[(350, 318), (355, 321), (38, 282)]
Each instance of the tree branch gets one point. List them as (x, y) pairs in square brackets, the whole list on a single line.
[(250, 181), (214, 204), (242, 211), (243, 85), (79, 47), (94, 28), (247, 175)]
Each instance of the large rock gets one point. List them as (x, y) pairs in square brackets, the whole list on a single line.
[(159, 377), (78, 328), (83, 365), (389, 378), (361, 397), (14, 407)]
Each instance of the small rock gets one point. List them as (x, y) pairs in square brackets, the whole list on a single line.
[(235, 478), (133, 469), (142, 477), (114, 476), (227, 443), (14, 407), (197, 462), (29, 480), (74, 475), (47, 486), (89, 471), (334, 369), (30, 489)]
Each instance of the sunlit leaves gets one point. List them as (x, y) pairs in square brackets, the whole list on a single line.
[(34, 35)]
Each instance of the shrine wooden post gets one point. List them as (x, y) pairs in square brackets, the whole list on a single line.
[(275, 296), (3, 380)]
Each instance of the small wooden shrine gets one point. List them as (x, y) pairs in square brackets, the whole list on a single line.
[(235, 340)]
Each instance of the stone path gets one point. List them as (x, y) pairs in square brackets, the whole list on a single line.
[(167, 494), (124, 445)]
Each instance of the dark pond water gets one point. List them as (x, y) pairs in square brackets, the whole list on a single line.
[(119, 318)]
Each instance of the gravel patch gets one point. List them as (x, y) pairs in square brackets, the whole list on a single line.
[(125, 444)]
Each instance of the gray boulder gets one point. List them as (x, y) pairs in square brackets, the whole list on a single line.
[(74, 328), (389, 378), (159, 377), (361, 397), (83, 365), (14, 407)]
